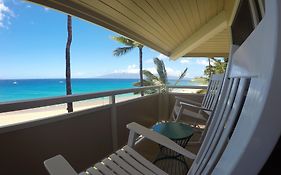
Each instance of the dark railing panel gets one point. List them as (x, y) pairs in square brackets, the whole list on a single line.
[(144, 112), (82, 139)]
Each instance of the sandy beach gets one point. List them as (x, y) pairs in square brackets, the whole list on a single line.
[(10, 118)]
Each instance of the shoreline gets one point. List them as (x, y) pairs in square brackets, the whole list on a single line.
[(16, 117)]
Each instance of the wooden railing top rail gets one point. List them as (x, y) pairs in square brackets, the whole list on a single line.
[(42, 102), (34, 103)]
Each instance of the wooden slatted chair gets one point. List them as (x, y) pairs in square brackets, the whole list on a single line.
[(128, 161), (221, 127), (201, 113), (124, 161), (188, 108)]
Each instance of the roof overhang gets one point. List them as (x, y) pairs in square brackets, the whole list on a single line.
[(173, 27)]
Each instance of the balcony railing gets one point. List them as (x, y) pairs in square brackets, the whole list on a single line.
[(112, 98), (82, 132), (28, 104)]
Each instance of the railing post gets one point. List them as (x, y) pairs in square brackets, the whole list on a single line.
[(160, 105), (113, 123)]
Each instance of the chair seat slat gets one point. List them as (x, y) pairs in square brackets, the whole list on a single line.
[(134, 163), (101, 167), (145, 162), (114, 167), (124, 164), (93, 171)]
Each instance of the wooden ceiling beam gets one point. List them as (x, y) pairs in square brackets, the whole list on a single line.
[(230, 8), (205, 54), (206, 32)]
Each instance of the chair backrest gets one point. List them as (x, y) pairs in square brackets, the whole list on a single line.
[(221, 127), (210, 98), (213, 91), (246, 126)]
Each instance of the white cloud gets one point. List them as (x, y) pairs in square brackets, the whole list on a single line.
[(28, 6), (170, 71), (79, 74), (130, 69), (134, 69), (46, 8), (162, 57), (149, 61), (185, 60), (202, 62), (5, 14)]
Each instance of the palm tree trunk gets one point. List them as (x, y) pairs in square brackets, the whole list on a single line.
[(210, 69), (141, 75), (67, 61)]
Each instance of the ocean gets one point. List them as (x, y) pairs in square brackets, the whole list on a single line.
[(12, 90)]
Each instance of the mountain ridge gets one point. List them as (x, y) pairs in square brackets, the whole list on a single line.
[(130, 76)]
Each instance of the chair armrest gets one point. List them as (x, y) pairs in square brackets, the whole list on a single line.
[(188, 101), (59, 166), (194, 106), (160, 139)]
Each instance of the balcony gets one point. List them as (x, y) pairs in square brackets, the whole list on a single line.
[(84, 136), (246, 135)]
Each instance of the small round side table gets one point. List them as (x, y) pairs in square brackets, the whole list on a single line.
[(167, 159)]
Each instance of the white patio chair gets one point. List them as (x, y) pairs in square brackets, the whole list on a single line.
[(189, 108), (199, 113), (128, 160), (122, 161)]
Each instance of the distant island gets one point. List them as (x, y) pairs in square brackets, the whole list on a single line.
[(130, 76), (200, 80)]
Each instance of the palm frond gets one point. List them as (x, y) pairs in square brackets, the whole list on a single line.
[(124, 40), (148, 91), (150, 76), (122, 51), (160, 66), (145, 83), (181, 76)]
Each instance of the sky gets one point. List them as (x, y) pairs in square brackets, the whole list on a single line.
[(33, 39)]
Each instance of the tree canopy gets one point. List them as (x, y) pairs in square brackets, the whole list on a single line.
[(160, 79), (217, 66)]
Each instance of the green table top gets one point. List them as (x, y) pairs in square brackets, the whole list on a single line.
[(173, 130)]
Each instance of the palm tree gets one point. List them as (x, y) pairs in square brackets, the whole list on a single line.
[(161, 79), (67, 62), (218, 66), (129, 45)]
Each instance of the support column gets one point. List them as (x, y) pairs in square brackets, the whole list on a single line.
[(113, 123)]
